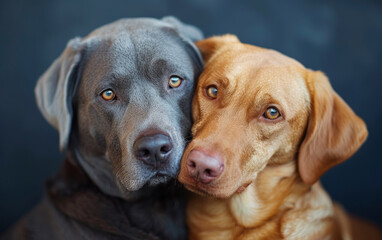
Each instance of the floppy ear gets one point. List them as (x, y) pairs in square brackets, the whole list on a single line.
[(211, 45), (55, 89), (334, 131), (187, 31)]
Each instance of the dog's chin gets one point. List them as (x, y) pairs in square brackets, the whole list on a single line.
[(204, 190), (158, 178), (144, 186)]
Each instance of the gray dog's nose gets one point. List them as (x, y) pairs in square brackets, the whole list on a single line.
[(153, 150)]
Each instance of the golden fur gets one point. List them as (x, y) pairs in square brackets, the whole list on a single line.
[(268, 188)]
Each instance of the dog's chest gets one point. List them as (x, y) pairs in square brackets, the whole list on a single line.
[(246, 216), (210, 218)]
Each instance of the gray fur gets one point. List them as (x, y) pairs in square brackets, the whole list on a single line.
[(135, 58)]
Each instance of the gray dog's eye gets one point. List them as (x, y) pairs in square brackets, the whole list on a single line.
[(108, 95), (175, 81)]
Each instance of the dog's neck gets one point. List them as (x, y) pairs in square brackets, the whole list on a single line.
[(74, 194), (264, 197), (263, 208)]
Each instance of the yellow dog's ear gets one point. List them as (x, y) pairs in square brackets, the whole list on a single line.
[(210, 45), (334, 131)]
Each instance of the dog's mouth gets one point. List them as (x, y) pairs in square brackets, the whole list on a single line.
[(159, 177), (202, 189), (198, 190)]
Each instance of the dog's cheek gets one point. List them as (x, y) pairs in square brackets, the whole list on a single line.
[(115, 150), (89, 132), (99, 139), (100, 122), (232, 176), (234, 179), (282, 154), (185, 124), (117, 161), (258, 148), (254, 160), (274, 142), (195, 108)]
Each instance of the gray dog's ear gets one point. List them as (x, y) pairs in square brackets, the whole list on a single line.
[(186, 30), (189, 34), (55, 89)]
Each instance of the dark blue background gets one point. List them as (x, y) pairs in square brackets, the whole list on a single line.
[(341, 38)]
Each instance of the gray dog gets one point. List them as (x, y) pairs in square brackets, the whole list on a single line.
[(120, 99)]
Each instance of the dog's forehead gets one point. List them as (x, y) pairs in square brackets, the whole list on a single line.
[(128, 26), (262, 76), (147, 46), (253, 58), (283, 85), (139, 52), (140, 35)]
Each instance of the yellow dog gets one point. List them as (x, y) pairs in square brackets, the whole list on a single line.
[(266, 129)]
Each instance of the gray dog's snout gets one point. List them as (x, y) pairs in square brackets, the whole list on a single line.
[(153, 150)]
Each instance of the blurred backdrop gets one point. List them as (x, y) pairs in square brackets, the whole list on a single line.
[(341, 38)]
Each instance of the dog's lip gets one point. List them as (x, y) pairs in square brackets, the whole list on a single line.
[(162, 174), (201, 189), (194, 188), (158, 177)]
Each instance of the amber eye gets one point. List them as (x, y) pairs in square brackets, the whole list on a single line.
[(271, 113), (212, 92), (108, 95), (175, 81)]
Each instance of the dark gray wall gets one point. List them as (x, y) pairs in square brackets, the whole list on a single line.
[(341, 38)]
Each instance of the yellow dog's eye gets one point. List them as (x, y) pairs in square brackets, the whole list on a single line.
[(108, 95), (272, 113), (212, 92), (175, 81)]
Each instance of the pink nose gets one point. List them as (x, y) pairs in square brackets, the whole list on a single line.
[(204, 168)]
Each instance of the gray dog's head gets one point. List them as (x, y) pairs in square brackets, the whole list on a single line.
[(120, 99)]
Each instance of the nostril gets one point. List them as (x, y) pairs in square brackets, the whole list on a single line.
[(165, 149), (192, 169), (154, 150), (208, 172), (145, 153), (191, 164), (204, 168)]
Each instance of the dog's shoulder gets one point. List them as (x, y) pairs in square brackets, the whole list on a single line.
[(44, 222)]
